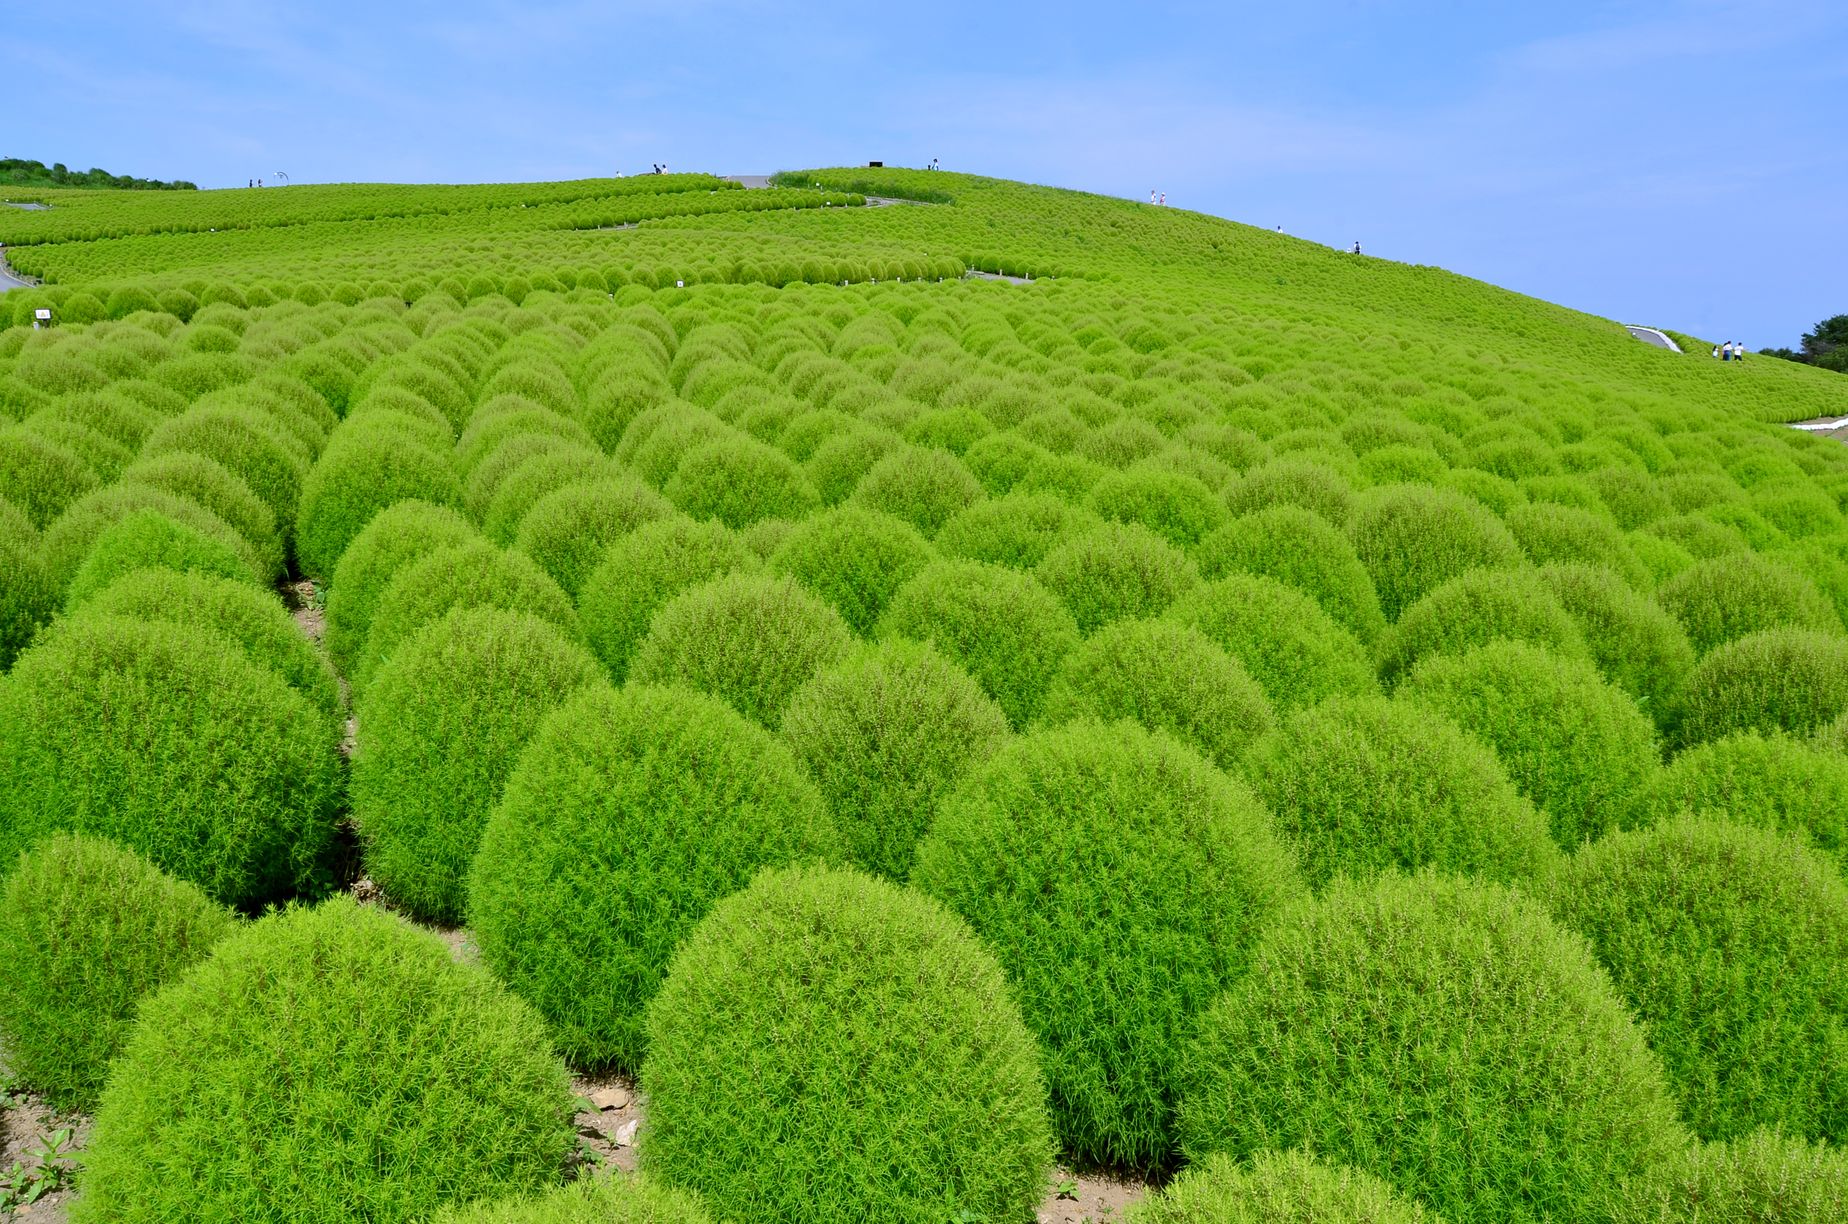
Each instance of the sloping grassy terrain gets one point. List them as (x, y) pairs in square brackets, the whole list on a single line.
[(676, 536)]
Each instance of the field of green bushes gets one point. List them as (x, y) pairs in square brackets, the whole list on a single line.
[(1328, 739)]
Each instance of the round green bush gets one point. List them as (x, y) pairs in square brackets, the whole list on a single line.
[(171, 741), (209, 485), (644, 570), (886, 733), (40, 477), (93, 928), (1025, 848), (1168, 677), (1730, 943), (628, 815), (1727, 598), (568, 531), (475, 574), (1763, 1178), (1474, 609), (1362, 785), (999, 625), (67, 542), (1639, 647), (818, 1005), (325, 1064), (1414, 538), (750, 639), (1443, 1035), (740, 481), (1292, 648), (1793, 680), (145, 540), (1177, 507), (1772, 782), (615, 1198), (854, 558), (1567, 535), (1117, 571), (236, 611), (366, 467), (1299, 483), (1576, 746), (1275, 1188), (442, 726), (925, 488), (1300, 549), (522, 488), (1017, 530), (27, 598), (397, 536)]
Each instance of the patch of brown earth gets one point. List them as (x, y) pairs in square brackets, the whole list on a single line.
[(26, 1126)]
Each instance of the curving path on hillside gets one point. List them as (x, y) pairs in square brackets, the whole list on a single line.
[(10, 279), (1649, 335)]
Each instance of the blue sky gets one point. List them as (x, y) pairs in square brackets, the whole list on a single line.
[(1679, 163)]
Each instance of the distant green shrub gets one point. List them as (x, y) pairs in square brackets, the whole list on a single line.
[(999, 625), (1725, 599), (148, 539), (395, 537), (442, 726), (1301, 549), (925, 488), (854, 558), (1118, 571), (1362, 785), (174, 743), (1413, 538), (1639, 647), (1443, 1035), (1178, 508), (1473, 609), (471, 575), (886, 733), (210, 485), (27, 598), (821, 1004), (365, 468), (1566, 535), (1168, 677), (94, 928), (568, 531), (329, 1064), (616, 1198), (238, 612), (740, 481), (627, 817), (542, 474), (246, 443), (1275, 1188), (1282, 637), (1731, 944), (1763, 1178), (1793, 680), (1294, 482), (1016, 530), (1576, 746), (1060, 817), (749, 639), (40, 477), (1772, 782), (67, 542)]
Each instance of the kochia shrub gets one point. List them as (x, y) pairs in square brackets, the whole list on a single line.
[(366, 467), (1362, 785), (1177, 507), (1000, 626), (1574, 745), (208, 484), (27, 599), (40, 477), (1301, 549), (1017, 530), (1763, 1178), (174, 743), (740, 481), (1118, 571), (854, 558), (1443, 1035), (67, 542), (1282, 637), (1727, 598), (627, 817), (1474, 609), (1298, 483), (1168, 677), (1023, 849), (540, 475), (615, 1198), (343, 1032), (245, 442), (442, 725), (145, 540), (749, 639), (1413, 539), (1731, 945), (1772, 782), (820, 1004), (1793, 680), (1639, 647), (886, 733), (1564, 535), (94, 927), (1275, 1188), (396, 537), (643, 570), (925, 488), (567, 531)]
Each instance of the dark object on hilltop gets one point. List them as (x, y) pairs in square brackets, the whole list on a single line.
[(23, 172), (1826, 347)]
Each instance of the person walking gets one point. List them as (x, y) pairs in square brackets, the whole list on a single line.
[(1716, 352), (1726, 351), (1356, 246), (1151, 195), (1738, 350), (1164, 199)]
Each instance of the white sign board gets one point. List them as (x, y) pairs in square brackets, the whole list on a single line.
[(41, 313)]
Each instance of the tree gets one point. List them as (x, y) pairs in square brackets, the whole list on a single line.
[(1827, 346)]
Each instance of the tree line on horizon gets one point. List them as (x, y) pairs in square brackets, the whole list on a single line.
[(1826, 347), (25, 172)]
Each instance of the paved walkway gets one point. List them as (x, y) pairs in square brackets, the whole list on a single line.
[(29, 206), (10, 279), (1650, 335)]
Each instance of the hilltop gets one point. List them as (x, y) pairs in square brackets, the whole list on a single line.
[(25, 172)]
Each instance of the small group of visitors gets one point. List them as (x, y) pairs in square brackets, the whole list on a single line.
[(934, 165), (1159, 200), (1732, 350), (254, 183), (659, 167)]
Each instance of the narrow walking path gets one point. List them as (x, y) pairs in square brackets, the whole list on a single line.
[(1650, 335)]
